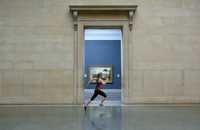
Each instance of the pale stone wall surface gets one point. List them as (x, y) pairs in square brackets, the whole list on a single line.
[(36, 52), (37, 49)]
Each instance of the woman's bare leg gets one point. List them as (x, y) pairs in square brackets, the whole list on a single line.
[(88, 103), (92, 98), (103, 99)]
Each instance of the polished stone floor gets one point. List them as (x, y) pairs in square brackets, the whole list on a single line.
[(100, 118)]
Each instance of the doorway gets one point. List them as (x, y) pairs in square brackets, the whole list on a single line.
[(102, 54)]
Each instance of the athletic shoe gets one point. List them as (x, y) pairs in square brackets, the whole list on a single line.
[(101, 104), (85, 107)]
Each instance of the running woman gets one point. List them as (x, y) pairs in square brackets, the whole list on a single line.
[(98, 91)]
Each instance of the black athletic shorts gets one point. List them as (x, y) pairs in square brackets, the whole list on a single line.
[(96, 93)]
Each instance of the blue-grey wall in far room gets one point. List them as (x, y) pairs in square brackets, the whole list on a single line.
[(104, 52)]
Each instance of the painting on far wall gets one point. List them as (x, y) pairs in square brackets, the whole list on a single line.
[(106, 70)]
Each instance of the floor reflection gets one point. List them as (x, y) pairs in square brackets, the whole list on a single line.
[(100, 118)]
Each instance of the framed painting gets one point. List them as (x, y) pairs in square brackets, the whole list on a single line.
[(106, 70)]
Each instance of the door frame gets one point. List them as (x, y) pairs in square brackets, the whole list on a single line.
[(101, 16), (79, 56)]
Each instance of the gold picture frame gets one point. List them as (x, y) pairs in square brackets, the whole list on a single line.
[(106, 70)]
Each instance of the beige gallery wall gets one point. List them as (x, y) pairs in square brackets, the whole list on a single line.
[(37, 51)]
